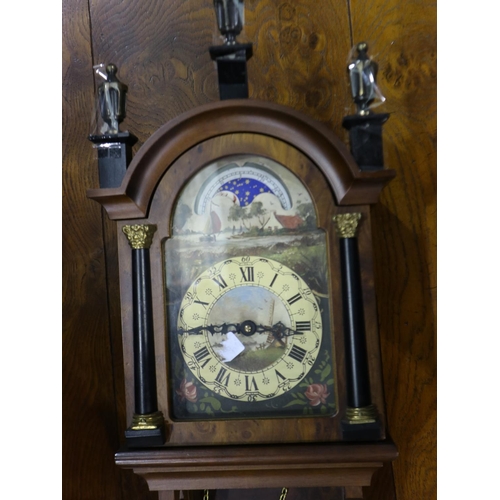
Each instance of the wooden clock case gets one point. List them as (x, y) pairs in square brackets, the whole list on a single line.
[(263, 452)]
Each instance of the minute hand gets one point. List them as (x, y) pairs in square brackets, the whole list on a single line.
[(279, 330)]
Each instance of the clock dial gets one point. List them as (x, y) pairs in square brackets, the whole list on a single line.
[(249, 328)]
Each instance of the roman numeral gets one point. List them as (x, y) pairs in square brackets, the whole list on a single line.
[(204, 304), (202, 354), (274, 279), (247, 274), (294, 299), (220, 281), (250, 385), (297, 353), (220, 377), (280, 377), (303, 326)]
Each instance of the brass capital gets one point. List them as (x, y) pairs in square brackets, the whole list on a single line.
[(147, 422), (347, 224), (140, 235), (365, 415)]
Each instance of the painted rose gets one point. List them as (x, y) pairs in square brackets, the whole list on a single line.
[(187, 390), (316, 394)]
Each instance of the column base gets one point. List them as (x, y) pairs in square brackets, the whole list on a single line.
[(361, 424), (365, 415), (146, 431)]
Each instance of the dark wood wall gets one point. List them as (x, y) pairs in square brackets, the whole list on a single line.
[(300, 54)]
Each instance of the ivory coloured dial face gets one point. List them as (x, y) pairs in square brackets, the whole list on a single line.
[(249, 328)]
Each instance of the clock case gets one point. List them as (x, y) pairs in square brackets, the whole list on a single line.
[(336, 184)]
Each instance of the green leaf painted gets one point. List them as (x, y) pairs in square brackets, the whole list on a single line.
[(215, 403), (295, 402), (327, 370)]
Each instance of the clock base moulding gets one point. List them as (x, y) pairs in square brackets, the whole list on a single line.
[(349, 465)]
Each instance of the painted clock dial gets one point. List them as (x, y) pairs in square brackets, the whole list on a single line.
[(250, 328), (248, 300)]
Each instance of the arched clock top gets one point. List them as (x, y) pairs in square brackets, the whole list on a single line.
[(350, 185)]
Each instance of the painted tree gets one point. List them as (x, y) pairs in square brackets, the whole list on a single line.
[(239, 214), (257, 210)]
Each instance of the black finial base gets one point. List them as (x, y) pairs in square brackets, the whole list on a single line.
[(365, 134), (114, 153), (232, 69)]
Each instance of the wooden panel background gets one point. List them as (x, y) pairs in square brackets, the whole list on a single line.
[(300, 52)]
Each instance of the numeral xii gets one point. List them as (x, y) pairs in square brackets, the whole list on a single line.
[(247, 274)]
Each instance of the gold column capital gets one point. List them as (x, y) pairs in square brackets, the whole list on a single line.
[(139, 235), (347, 224)]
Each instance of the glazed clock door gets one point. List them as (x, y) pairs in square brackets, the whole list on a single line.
[(248, 299)]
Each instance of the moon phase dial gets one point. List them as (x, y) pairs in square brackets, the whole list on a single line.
[(250, 329)]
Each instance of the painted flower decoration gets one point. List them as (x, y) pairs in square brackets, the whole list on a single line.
[(187, 390), (316, 394)]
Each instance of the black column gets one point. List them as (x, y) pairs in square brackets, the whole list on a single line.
[(148, 425), (361, 418), (358, 378), (144, 353)]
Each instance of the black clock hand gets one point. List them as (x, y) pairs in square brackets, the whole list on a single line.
[(247, 328), (213, 329), (279, 330)]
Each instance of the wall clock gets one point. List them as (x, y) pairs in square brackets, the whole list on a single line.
[(250, 337)]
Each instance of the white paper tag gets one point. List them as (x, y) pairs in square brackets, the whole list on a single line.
[(231, 347)]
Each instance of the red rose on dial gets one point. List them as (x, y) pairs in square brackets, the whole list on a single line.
[(317, 393), (187, 390)]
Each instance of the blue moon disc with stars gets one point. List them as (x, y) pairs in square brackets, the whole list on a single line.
[(244, 183)]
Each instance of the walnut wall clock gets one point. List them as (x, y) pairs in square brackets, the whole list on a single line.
[(250, 337)]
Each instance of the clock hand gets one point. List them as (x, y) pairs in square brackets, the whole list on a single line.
[(247, 328), (213, 329), (279, 330)]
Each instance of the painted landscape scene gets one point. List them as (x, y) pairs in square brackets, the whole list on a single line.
[(245, 206)]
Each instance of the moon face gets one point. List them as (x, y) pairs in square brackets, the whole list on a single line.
[(244, 182)]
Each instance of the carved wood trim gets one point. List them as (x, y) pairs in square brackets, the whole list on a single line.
[(351, 186), (339, 464)]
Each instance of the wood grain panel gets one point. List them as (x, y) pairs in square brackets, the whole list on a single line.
[(300, 52), (402, 37), (161, 50), (89, 415)]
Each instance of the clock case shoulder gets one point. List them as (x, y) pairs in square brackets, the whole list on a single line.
[(350, 184)]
